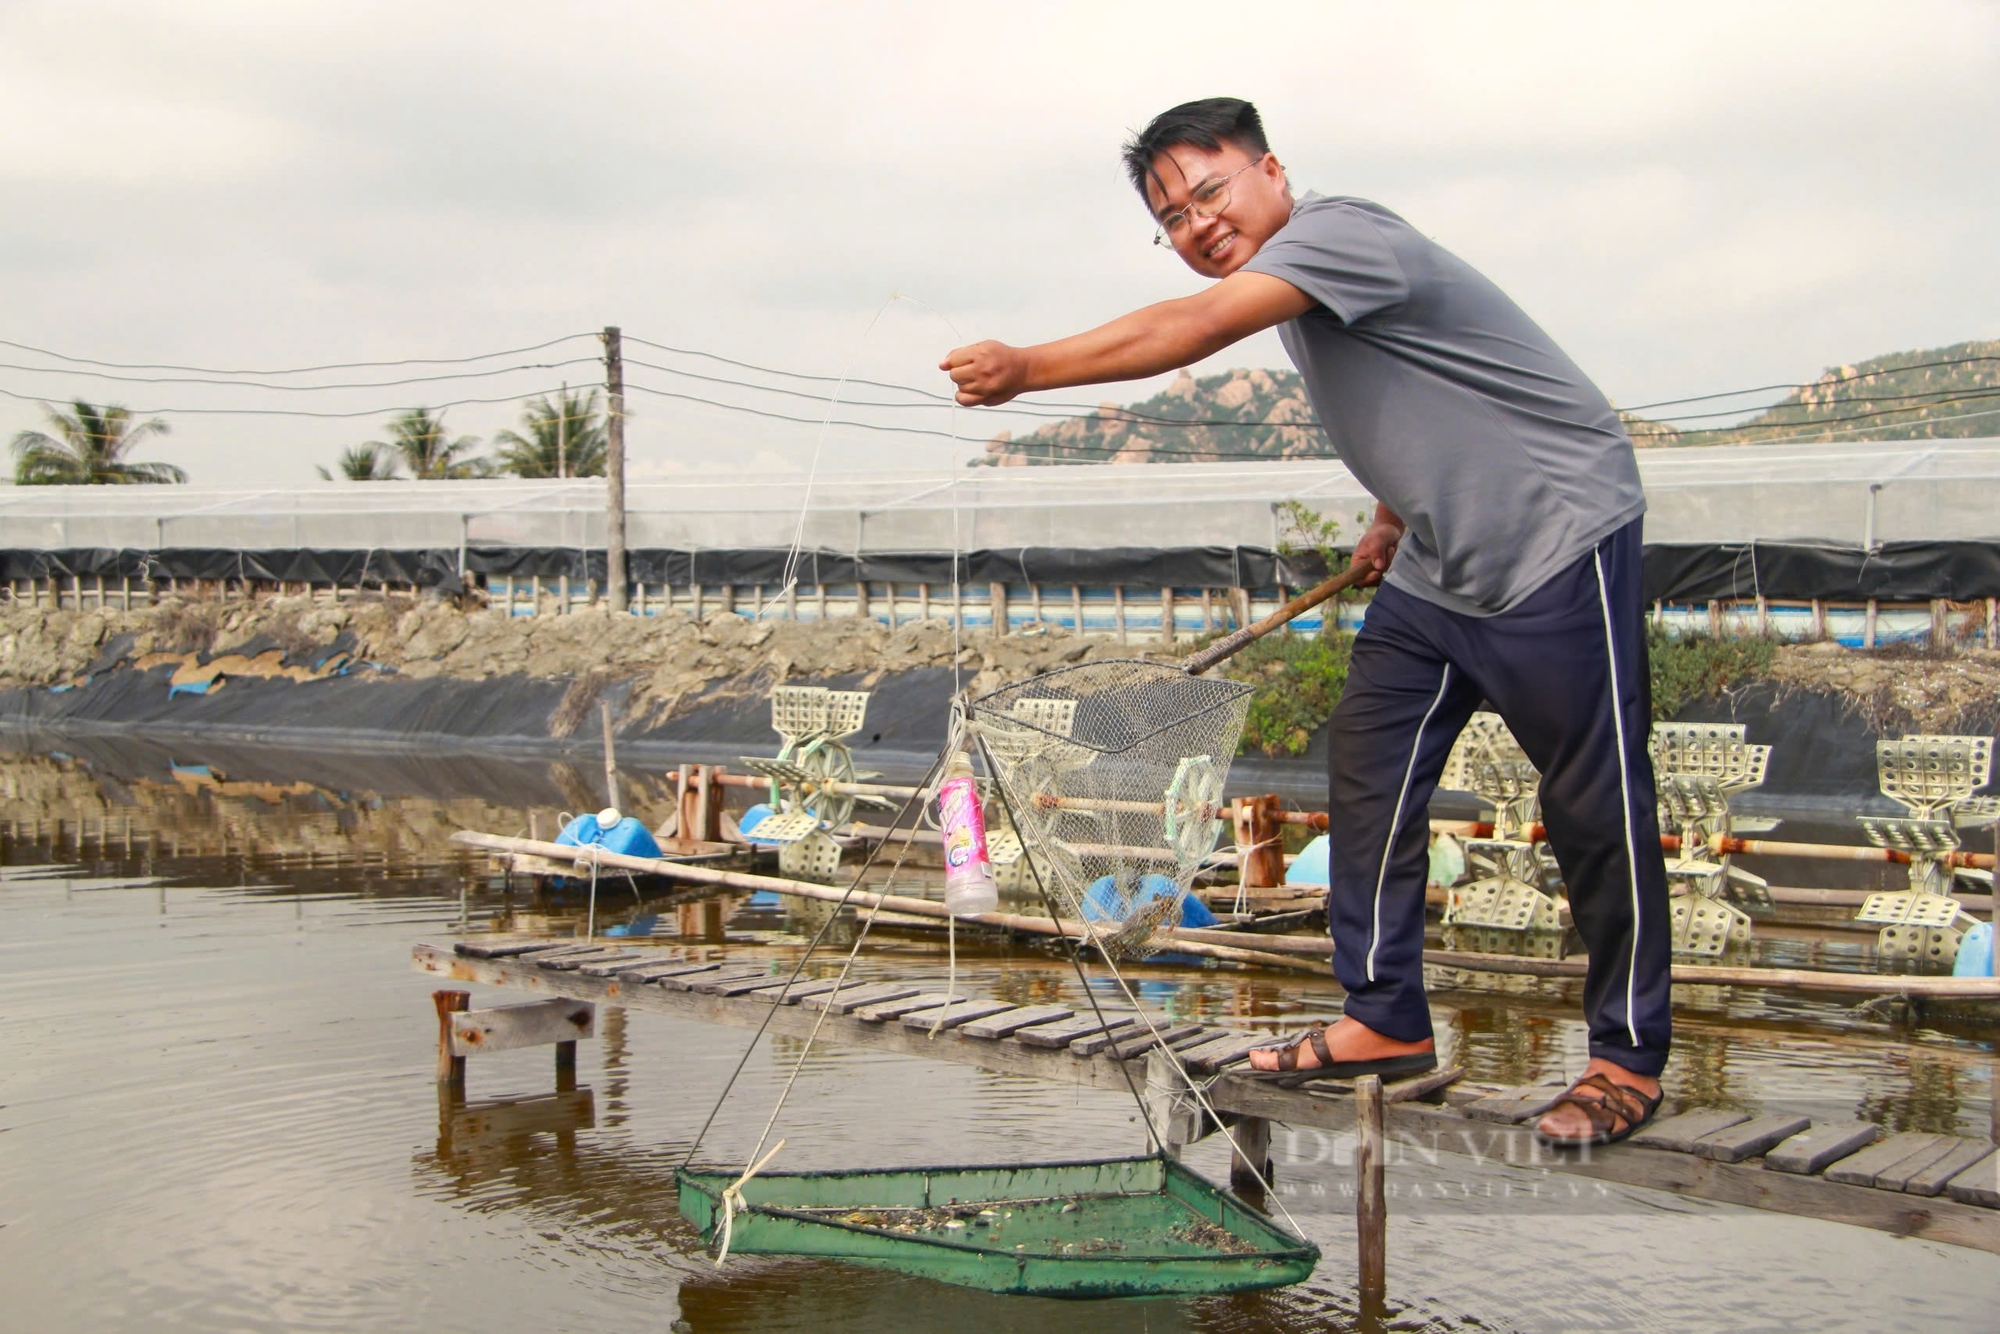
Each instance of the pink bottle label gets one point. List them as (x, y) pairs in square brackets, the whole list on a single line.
[(962, 822)]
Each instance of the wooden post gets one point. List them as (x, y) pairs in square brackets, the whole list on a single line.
[(1035, 597), (562, 608), (996, 594), (1166, 616), (1868, 626), (1371, 1212), (1818, 619), (819, 588), (451, 1069), (610, 757), (1993, 641), (566, 1066), (891, 599), (1207, 610), (923, 602), (708, 814), (695, 593), (1250, 1154), (792, 602), (642, 600), (1076, 606), (861, 599), (614, 466), (1763, 616), (1118, 609), (1258, 836), (1940, 623)]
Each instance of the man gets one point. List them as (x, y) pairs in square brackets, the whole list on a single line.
[(1506, 542)]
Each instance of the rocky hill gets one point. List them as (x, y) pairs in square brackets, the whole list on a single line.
[(1263, 414)]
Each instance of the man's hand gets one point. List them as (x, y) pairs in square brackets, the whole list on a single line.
[(1377, 546), (987, 374)]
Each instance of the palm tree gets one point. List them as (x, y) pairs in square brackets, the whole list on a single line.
[(418, 439), (564, 439), (88, 449), (363, 463)]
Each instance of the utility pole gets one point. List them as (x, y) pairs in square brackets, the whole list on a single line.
[(614, 467), (562, 432)]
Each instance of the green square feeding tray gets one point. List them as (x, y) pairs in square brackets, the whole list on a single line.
[(1120, 1227)]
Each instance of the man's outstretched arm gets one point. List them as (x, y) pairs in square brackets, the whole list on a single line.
[(1147, 342)]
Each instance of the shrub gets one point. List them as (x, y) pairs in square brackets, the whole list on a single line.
[(1298, 679), (1686, 668)]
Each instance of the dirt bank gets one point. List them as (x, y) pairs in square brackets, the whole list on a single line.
[(1900, 688), (668, 659)]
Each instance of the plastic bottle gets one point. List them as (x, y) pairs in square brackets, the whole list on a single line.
[(968, 872)]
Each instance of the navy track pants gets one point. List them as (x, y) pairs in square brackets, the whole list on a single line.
[(1567, 670)]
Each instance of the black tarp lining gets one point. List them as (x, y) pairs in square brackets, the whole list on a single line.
[(1674, 572)]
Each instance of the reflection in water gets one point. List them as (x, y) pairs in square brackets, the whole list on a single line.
[(254, 1057)]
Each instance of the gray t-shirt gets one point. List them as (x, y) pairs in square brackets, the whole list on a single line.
[(1450, 406)]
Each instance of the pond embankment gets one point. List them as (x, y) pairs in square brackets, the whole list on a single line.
[(426, 673)]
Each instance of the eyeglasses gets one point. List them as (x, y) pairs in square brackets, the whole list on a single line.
[(1210, 198)]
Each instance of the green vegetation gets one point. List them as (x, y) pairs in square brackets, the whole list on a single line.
[(1299, 679), (1686, 668), (363, 463), (1901, 396), (564, 439), (89, 448), (1305, 532), (419, 441)]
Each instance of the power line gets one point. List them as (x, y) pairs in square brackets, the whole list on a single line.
[(1969, 395), (1132, 414), (1125, 414), (297, 370), (304, 388), (1809, 384), (1813, 406), (298, 412)]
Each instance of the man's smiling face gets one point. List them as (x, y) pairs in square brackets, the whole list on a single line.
[(1259, 204)]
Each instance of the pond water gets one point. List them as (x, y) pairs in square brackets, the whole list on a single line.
[(219, 1108)]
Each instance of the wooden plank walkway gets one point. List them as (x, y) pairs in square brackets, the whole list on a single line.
[(1939, 1187)]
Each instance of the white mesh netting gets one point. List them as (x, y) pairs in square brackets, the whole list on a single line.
[(1113, 773)]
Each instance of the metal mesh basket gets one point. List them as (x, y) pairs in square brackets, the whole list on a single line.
[(1113, 772)]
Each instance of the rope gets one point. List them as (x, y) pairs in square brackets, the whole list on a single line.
[(950, 976), (791, 569), (733, 1203), (936, 766), (1193, 1088)]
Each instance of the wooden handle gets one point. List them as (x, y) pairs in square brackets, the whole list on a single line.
[(1235, 642)]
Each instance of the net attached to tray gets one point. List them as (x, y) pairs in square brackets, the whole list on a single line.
[(1113, 772)]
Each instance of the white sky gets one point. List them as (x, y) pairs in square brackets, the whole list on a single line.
[(1691, 197)]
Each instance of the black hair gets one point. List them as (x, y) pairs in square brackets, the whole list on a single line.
[(1207, 125)]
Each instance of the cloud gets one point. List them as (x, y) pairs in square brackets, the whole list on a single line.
[(1689, 198)]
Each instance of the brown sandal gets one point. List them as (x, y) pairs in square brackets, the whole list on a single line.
[(1289, 1075), (1614, 1103)]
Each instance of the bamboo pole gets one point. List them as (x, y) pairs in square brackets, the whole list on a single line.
[(860, 898)]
